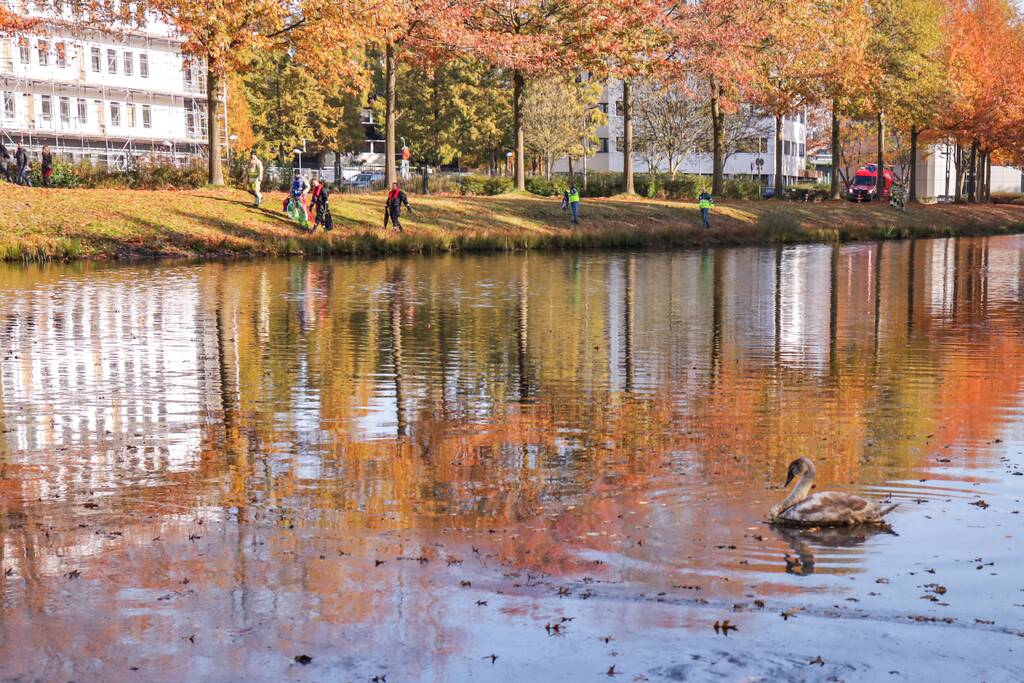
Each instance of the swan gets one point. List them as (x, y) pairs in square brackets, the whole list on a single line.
[(829, 508)]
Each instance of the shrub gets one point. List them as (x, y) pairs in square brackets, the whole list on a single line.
[(1008, 198), (484, 185), (540, 185), (807, 193), (599, 184), (64, 175), (742, 188), (664, 186), (158, 176)]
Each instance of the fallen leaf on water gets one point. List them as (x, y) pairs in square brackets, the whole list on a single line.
[(493, 658), (817, 660), (303, 659), (980, 503), (73, 574), (611, 671)]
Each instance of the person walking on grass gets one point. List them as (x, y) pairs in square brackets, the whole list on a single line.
[(320, 198), (706, 203), (5, 159), (393, 207), (47, 165), (571, 200), (254, 171), (21, 159), (295, 204)]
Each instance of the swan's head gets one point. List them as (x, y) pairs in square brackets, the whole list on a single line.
[(799, 468)]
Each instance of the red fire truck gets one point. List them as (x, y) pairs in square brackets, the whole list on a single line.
[(864, 185)]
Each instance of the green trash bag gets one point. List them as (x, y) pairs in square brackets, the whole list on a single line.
[(297, 213)]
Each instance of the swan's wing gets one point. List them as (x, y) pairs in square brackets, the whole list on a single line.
[(830, 507)]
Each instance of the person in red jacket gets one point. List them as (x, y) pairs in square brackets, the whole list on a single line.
[(393, 207)]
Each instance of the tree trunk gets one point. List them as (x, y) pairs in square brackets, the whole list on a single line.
[(972, 184), (718, 141), (988, 177), (216, 176), (958, 163), (628, 183), (835, 189), (880, 175), (337, 166), (390, 175), (518, 88), (912, 196), (779, 189), (572, 179)]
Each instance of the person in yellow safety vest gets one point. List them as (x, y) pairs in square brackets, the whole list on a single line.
[(705, 202), (571, 200)]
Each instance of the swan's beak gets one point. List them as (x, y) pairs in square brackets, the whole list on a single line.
[(789, 477)]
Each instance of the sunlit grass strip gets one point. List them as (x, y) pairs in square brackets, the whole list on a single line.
[(108, 224)]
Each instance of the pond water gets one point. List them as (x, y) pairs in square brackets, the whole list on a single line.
[(403, 467)]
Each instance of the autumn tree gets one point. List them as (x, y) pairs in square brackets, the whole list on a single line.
[(638, 37), (848, 69), (533, 38), (788, 67), (670, 124), (457, 110), (905, 42), (560, 117), (718, 41)]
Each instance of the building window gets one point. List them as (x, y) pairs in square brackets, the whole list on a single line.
[(786, 147), (602, 145), (130, 111), (803, 149), (65, 111), (62, 55), (95, 52), (23, 51), (46, 108), (9, 110), (111, 61), (129, 64), (144, 65), (43, 48), (115, 114), (83, 111), (147, 116), (619, 107), (603, 107)]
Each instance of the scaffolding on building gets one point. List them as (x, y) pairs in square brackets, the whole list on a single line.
[(119, 149)]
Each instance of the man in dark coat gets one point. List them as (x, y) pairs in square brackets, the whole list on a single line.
[(21, 159), (5, 159), (393, 208)]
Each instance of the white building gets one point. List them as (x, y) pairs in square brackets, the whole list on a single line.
[(936, 174), (107, 97), (609, 156)]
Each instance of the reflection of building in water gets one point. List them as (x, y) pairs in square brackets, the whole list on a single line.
[(804, 302), (104, 367)]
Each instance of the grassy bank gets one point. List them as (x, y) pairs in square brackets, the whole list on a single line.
[(66, 224)]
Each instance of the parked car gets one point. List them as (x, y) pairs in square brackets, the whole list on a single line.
[(865, 186), (364, 180)]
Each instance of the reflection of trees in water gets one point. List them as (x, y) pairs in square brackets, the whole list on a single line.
[(496, 375)]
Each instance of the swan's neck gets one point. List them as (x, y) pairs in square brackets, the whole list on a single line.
[(799, 492)]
